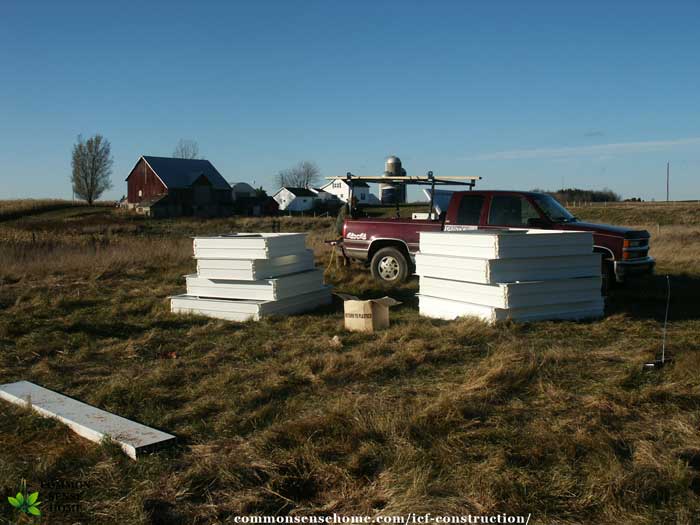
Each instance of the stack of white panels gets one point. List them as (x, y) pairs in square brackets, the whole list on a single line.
[(247, 276), (523, 275)]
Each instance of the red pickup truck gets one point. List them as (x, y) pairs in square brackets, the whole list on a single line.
[(387, 245)]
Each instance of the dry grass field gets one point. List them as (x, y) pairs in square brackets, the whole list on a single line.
[(556, 419), (14, 209)]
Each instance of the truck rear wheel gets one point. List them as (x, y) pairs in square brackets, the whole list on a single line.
[(389, 265)]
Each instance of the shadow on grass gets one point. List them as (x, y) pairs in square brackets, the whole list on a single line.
[(645, 298), (371, 289), (70, 305), (179, 322), (107, 330)]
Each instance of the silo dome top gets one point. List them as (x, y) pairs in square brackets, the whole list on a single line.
[(393, 159)]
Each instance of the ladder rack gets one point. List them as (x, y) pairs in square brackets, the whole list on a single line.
[(426, 180)]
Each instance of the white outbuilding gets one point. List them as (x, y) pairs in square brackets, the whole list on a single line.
[(295, 199)]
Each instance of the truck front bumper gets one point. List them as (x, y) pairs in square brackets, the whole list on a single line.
[(625, 269)]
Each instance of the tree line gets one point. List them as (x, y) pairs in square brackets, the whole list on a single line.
[(579, 195)]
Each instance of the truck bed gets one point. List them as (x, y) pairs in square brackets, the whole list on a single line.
[(360, 233)]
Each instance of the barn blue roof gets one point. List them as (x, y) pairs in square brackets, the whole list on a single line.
[(181, 173)]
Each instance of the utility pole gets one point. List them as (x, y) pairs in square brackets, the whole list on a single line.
[(668, 175)]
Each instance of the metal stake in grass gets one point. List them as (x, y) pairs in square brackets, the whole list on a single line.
[(659, 363)]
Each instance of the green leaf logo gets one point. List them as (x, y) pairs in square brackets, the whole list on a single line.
[(28, 504)]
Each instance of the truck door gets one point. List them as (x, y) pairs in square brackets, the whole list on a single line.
[(514, 211)]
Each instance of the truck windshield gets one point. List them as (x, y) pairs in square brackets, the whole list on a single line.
[(554, 211)]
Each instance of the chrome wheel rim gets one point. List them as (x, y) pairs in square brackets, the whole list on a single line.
[(388, 268)]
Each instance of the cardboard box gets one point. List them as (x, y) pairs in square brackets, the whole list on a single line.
[(368, 315)]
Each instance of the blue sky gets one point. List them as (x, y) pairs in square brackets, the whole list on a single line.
[(525, 94)]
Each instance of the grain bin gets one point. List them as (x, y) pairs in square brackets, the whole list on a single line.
[(393, 193)]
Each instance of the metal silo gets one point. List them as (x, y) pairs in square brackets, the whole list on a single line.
[(393, 193)]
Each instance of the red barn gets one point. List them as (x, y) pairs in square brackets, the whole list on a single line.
[(167, 187)]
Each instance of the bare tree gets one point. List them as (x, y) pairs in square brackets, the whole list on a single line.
[(186, 149), (92, 167), (303, 175)]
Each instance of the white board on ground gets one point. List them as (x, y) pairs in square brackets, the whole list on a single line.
[(262, 290), (255, 269), (249, 245), (439, 308), (514, 295), (86, 420), (501, 244), (507, 270), (248, 310)]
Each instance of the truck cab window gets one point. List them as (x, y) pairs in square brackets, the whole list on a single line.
[(511, 210), (469, 211)]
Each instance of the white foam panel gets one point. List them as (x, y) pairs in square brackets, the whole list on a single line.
[(255, 269), (249, 310), (514, 295), (502, 244), (440, 308), (507, 270), (249, 245), (85, 420), (261, 290)]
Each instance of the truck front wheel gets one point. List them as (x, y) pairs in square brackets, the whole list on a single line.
[(389, 265)]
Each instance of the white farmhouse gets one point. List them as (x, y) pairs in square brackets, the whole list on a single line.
[(341, 189), (295, 199)]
